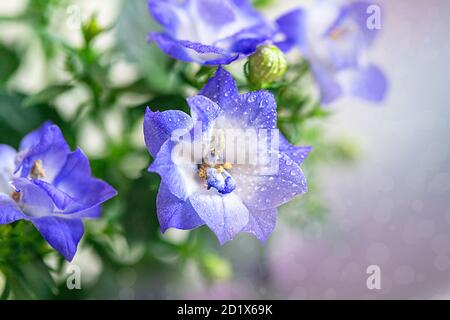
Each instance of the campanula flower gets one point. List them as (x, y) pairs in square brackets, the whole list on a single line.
[(50, 186), (209, 32), (335, 41), (226, 165)]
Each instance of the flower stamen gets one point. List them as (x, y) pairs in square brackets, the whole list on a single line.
[(37, 171)]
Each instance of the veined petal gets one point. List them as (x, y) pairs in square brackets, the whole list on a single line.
[(63, 234), (158, 127), (75, 181), (226, 215), (189, 51), (261, 223), (175, 213)]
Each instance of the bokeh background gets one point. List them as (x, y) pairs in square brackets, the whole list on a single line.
[(387, 206)]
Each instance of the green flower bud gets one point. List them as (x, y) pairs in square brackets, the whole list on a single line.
[(266, 65)]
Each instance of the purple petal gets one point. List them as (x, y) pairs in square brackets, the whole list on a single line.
[(261, 223), (189, 51), (92, 213), (75, 181), (329, 87), (171, 173), (226, 215), (158, 127), (269, 191), (164, 11), (203, 110), (256, 110), (296, 153), (175, 213), (9, 210), (210, 8), (46, 144), (367, 83), (293, 27), (34, 137), (61, 233), (221, 89), (34, 201)]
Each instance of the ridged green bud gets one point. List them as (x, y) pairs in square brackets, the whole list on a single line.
[(266, 65)]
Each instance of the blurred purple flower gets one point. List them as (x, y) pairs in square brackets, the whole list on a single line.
[(213, 187), (47, 184), (335, 39), (209, 32)]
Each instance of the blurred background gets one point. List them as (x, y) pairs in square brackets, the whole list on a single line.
[(379, 175)]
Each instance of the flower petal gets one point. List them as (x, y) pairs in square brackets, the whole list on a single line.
[(368, 83), (165, 12), (75, 180), (203, 110), (226, 215), (260, 191), (296, 153), (179, 177), (330, 89), (9, 210), (221, 89), (189, 51), (61, 233), (158, 127), (293, 27), (175, 213), (255, 110), (261, 223), (46, 144), (34, 201)]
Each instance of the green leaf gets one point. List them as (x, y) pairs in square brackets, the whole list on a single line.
[(9, 63)]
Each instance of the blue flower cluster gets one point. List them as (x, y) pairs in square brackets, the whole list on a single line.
[(46, 183)]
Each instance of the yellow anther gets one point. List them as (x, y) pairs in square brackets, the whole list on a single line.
[(227, 166), (37, 171)]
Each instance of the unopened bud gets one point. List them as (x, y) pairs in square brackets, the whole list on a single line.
[(266, 65)]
